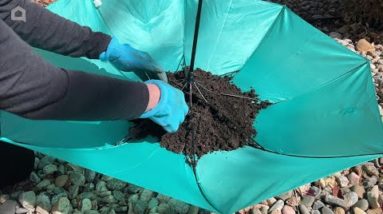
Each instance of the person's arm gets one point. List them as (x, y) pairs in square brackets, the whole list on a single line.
[(33, 88), (46, 30)]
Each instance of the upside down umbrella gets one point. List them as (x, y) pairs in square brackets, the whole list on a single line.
[(324, 116)]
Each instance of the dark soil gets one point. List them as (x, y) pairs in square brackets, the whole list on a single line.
[(224, 122)]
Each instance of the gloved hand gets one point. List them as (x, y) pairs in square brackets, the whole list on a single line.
[(171, 109), (126, 58)]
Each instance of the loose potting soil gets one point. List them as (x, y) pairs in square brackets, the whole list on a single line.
[(220, 118)]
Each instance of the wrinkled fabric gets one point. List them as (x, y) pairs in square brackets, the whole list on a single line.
[(324, 119)]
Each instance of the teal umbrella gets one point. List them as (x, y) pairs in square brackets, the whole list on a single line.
[(325, 117)]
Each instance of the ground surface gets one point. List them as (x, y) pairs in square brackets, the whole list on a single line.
[(357, 190)]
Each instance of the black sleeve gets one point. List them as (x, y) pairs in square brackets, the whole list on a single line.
[(33, 88), (46, 30)]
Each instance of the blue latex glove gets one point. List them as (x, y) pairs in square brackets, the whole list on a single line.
[(126, 58), (171, 109)]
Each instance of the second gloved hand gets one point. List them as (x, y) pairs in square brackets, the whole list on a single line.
[(126, 58), (171, 109)]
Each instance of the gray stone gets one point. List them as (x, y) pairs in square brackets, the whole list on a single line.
[(21, 210), (163, 208), (34, 177), (40, 210), (153, 203), (77, 178), (163, 198), (56, 198), (63, 205), (91, 212), (362, 204), (86, 204), (359, 190), (370, 182), (373, 197), (285, 195), (43, 184), (115, 184), (44, 202), (8, 207), (350, 198), (73, 191), (118, 195), (146, 195), (303, 209), (342, 181), (335, 201), (277, 206), (179, 207), (307, 200), (90, 175), (45, 161), (28, 200), (315, 212), (317, 205), (335, 35), (370, 169), (101, 186), (61, 180), (326, 210), (49, 169)]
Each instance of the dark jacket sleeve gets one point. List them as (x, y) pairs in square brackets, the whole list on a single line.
[(46, 30), (33, 88)]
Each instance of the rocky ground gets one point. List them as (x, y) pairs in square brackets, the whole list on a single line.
[(59, 187)]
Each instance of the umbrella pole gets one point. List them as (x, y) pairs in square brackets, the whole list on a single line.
[(190, 76)]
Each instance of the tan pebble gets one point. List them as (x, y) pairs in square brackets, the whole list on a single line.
[(357, 210), (364, 46)]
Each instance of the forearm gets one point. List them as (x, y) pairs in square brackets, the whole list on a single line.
[(32, 88), (45, 30)]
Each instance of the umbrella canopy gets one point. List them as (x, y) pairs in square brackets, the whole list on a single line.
[(325, 116)]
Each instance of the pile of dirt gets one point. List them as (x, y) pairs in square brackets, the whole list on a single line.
[(220, 118)]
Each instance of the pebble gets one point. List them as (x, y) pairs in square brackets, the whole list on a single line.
[(178, 206), (61, 180), (288, 210), (370, 169), (374, 211), (43, 184), (315, 191), (43, 201), (335, 201), (49, 169), (34, 177), (77, 178), (373, 197), (28, 200), (370, 182), (63, 205), (317, 205), (350, 198), (343, 181), (353, 178), (277, 206), (40, 210), (8, 207), (362, 204), (339, 210), (285, 195), (359, 190), (303, 209), (326, 210), (335, 35), (146, 195), (115, 184), (357, 210), (86, 204), (307, 200)]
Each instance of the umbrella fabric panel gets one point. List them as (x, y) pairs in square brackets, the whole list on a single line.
[(236, 179), (230, 31), (144, 164), (338, 119), (294, 58), (152, 26)]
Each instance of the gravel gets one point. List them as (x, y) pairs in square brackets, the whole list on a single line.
[(58, 187)]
